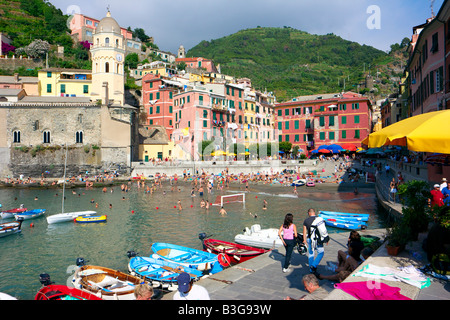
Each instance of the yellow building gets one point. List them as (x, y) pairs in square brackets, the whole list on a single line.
[(57, 82), (250, 120), (158, 67), (154, 144)]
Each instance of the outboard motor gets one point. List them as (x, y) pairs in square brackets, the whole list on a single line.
[(202, 236), (44, 279), (131, 254), (80, 262)]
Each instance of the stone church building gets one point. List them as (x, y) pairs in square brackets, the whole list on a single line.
[(98, 131)]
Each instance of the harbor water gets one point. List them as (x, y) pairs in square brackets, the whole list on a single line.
[(137, 219)]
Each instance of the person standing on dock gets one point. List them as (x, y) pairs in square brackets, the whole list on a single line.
[(289, 231), (315, 234)]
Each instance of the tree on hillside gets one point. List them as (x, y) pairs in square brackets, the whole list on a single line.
[(37, 49), (140, 33), (132, 61)]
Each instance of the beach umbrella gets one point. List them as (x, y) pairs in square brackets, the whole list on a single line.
[(421, 133), (324, 151), (349, 146), (335, 148)]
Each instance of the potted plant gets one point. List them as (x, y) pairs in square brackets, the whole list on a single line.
[(397, 238)]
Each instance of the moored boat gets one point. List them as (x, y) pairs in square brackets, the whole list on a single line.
[(344, 215), (188, 257), (259, 238), (105, 283), (31, 214), (7, 214), (69, 216), (10, 228), (235, 252), (298, 183), (91, 219), (50, 291), (159, 272), (348, 225)]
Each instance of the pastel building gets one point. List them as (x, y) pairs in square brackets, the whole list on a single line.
[(198, 63), (312, 121), (83, 28), (427, 66), (158, 100), (58, 82)]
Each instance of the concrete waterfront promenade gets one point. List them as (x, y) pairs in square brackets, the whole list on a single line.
[(262, 278)]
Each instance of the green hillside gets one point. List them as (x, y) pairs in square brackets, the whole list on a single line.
[(290, 62)]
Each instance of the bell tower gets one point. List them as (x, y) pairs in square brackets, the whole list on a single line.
[(108, 56)]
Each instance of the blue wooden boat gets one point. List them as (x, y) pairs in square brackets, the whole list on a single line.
[(30, 214), (346, 225), (161, 273), (347, 216), (188, 257)]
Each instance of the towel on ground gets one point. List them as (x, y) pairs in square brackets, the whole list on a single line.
[(371, 291), (409, 275)]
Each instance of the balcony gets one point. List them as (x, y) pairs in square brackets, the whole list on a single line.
[(218, 123), (219, 107)]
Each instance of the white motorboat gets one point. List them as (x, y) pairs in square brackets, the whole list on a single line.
[(69, 216), (260, 238)]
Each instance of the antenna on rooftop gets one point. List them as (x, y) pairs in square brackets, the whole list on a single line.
[(432, 8)]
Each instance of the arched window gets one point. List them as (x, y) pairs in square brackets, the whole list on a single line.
[(118, 68), (107, 67), (16, 136), (46, 136), (79, 137), (107, 42), (117, 43)]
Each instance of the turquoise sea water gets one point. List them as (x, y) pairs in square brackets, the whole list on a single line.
[(134, 223)]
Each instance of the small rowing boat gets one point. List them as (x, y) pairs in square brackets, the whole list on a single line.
[(235, 252), (68, 216), (346, 216), (259, 238), (32, 214), (159, 272), (10, 228), (348, 225), (49, 291), (91, 219), (105, 283), (298, 183), (7, 214), (188, 257)]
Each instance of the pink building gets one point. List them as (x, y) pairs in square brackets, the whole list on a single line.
[(198, 63), (83, 29), (158, 100), (313, 121), (426, 67)]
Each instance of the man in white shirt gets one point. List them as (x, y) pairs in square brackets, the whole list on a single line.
[(187, 290), (443, 184)]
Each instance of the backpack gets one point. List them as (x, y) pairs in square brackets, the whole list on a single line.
[(318, 232)]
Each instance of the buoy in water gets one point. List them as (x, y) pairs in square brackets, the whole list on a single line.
[(157, 208), (132, 211), (32, 225)]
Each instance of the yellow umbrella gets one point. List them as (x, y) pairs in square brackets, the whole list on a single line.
[(218, 153), (423, 133)]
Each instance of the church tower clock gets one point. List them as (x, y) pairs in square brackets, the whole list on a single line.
[(108, 56)]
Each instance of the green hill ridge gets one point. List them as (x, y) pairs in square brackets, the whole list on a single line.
[(291, 62)]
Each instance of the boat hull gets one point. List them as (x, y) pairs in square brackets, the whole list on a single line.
[(105, 283), (8, 214), (159, 272), (188, 257), (32, 214), (255, 237), (69, 216), (91, 219), (346, 216), (10, 228), (236, 252), (60, 292)]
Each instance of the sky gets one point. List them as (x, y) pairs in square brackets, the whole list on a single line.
[(377, 23)]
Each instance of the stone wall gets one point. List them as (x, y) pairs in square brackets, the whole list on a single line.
[(51, 162), (13, 64)]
